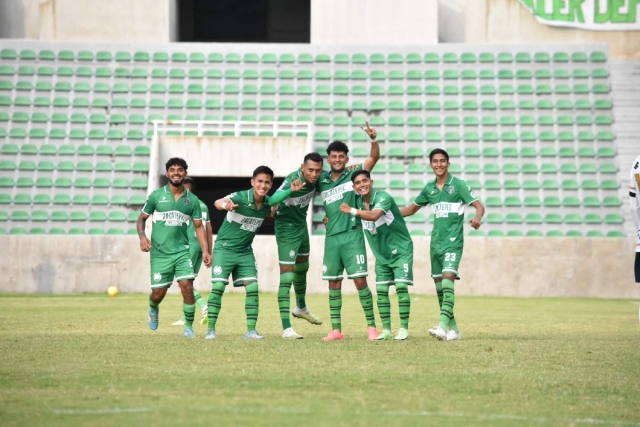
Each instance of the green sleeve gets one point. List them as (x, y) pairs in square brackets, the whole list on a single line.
[(467, 193), (422, 199), (279, 197), (383, 202), (235, 197), (205, 212), (196, 211), (150, 205)]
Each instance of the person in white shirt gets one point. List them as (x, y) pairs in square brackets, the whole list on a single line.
[(634, 199)]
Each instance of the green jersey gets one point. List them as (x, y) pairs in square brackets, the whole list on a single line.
[(294, 208), (193, 238), (335, 193), (170, 220), (388, 237), (240, 226), (448, 208)]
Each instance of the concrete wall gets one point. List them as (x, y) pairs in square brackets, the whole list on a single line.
[(374, 22), (11, 19), (507, 21), (523, 267), (99, 20)]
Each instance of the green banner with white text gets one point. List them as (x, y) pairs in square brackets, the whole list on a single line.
[(596, 15)]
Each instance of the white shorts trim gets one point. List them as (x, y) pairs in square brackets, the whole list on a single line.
[(450, 270), (332, 278), (162, 285), (220, 280), (307, 254), (286, 262), (353, 276), (404, 281), (245, 279), (188, 276)]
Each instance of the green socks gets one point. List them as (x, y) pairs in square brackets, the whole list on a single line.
[(300, 283), (284, 298), (335, 305), (384, 305), (404, 303), (448, 301), (199, 300), (251, 304), (366, 300), (452, 323), (188, 311), (215, 303), (153, 304)]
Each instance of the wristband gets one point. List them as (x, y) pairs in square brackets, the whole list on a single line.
[(354, 211), (224, 205)]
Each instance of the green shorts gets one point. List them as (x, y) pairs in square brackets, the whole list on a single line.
[(196, 260), (344, 251), (445, 260), (292, 240), (241, 266), (398, 271), (165, 267)]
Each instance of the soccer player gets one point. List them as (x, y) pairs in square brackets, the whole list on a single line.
[(172, 207), (634, 199), (392, 246), (344, 247), (232, 252), (292, 237), (195, 251), (447, 196)]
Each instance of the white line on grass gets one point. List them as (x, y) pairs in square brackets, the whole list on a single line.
[(510, 417), (106, 411)]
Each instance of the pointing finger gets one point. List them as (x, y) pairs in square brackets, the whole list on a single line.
[(368, 124)]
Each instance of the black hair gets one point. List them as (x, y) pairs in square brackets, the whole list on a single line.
[(263, 169), (360, 172), (338, 146), (314, 157), (438, 151), (176, 161), (190, 181)]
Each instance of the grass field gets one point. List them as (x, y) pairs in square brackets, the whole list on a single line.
[(91, 360)]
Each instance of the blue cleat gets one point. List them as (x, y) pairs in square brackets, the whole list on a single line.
[(211, 335), (253, 335), (188, 332), (153, 318)]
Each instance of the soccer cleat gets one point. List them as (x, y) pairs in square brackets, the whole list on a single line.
[(188, 332), (290, 334), (453, 335), (153, 318), (304, 313), (372, 332), (211, 335), (438, 333), (384, 335), (178, 322), (334, 335), (253, 335), (203, 319), (402, 334)]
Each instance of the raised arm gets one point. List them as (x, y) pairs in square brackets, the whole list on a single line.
[(283, 193), (225, 204), (409, 210), (374, 154)]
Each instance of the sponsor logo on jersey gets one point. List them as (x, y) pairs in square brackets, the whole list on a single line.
[(302, 201), (171, 218), (336, 193), (443, 209), (247, 223), (163, 200)]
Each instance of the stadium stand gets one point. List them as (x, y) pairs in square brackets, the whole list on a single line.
[(530, 130)]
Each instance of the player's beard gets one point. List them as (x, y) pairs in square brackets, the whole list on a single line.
[(179, 184)]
